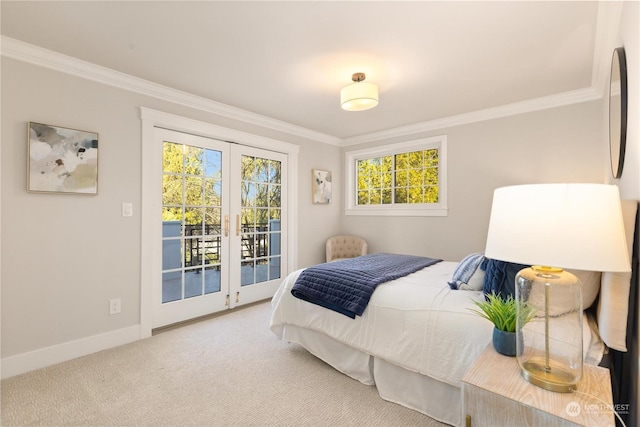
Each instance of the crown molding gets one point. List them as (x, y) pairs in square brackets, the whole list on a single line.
[(543, 103), (21, 51)]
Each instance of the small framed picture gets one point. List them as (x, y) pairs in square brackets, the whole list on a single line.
[(321, 186), (61, 160)]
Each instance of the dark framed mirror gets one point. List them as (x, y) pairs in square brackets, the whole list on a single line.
[(618, 111)]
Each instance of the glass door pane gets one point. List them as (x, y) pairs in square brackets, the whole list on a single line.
[(260, 219), (191, 221), (257, 206), (193, 210)]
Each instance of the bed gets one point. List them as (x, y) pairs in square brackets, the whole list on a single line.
[(417, 337)]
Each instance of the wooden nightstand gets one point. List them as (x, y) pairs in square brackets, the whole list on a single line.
[(495, 394)]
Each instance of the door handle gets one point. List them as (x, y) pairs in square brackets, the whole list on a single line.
[(237, 225), (226, 225)]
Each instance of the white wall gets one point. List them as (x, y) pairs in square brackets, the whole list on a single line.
[(65, 256), (317, 222), (555, 145), (628, 37)]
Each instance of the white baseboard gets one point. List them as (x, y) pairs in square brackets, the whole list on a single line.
[(41, 358)]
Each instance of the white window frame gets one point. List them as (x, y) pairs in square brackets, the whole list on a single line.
[(422, 209)]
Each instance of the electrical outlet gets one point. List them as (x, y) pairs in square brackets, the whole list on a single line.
[(127, 209), (115, 306)]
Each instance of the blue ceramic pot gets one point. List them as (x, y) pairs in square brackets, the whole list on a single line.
[(504, 342)]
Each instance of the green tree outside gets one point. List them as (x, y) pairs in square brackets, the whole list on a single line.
[(396, 179)]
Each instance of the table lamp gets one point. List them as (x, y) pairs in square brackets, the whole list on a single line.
[(554, 227)]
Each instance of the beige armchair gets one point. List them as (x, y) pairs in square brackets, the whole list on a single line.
[(341, 247)]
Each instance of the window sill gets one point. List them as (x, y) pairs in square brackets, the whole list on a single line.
[(397, 212)]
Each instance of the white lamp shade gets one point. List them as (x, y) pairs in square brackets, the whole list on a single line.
[(359, 96), (571, 226)]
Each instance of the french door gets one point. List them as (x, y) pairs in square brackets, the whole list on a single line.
[(221, 226)]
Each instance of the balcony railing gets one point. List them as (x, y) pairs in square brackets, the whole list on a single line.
[(205, 246)]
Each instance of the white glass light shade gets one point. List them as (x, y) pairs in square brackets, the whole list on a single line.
[(577, 226), (359, 96)]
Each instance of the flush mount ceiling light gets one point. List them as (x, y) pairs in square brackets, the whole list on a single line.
[(359, 95)]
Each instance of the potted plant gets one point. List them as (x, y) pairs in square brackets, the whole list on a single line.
[(502, 312)]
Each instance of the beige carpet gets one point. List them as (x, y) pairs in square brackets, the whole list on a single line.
[(229, 370)]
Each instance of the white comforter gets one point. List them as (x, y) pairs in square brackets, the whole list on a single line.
[(416, 322)]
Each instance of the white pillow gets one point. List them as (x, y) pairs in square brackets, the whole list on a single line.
[(613, 309), (475, 283), (613, 306), (468, 276), (590, 285)]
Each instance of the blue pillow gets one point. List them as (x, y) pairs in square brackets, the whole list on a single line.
[(500, 278)]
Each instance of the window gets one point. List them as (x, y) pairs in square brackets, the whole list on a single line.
[(407, 179)]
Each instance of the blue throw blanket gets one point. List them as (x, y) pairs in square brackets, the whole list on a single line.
[(346, 286)]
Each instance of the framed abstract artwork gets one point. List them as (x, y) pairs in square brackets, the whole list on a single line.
[(61, 160), (321, 186)]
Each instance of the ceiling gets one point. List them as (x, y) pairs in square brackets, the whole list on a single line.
[(288, 60)]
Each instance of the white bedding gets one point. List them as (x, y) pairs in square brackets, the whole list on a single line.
[(416, 322), (415, 340)]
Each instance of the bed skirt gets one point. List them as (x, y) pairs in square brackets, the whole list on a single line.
[(436, 399), (349, 361)]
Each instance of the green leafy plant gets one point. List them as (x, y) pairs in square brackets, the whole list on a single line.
[(502, 312)]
